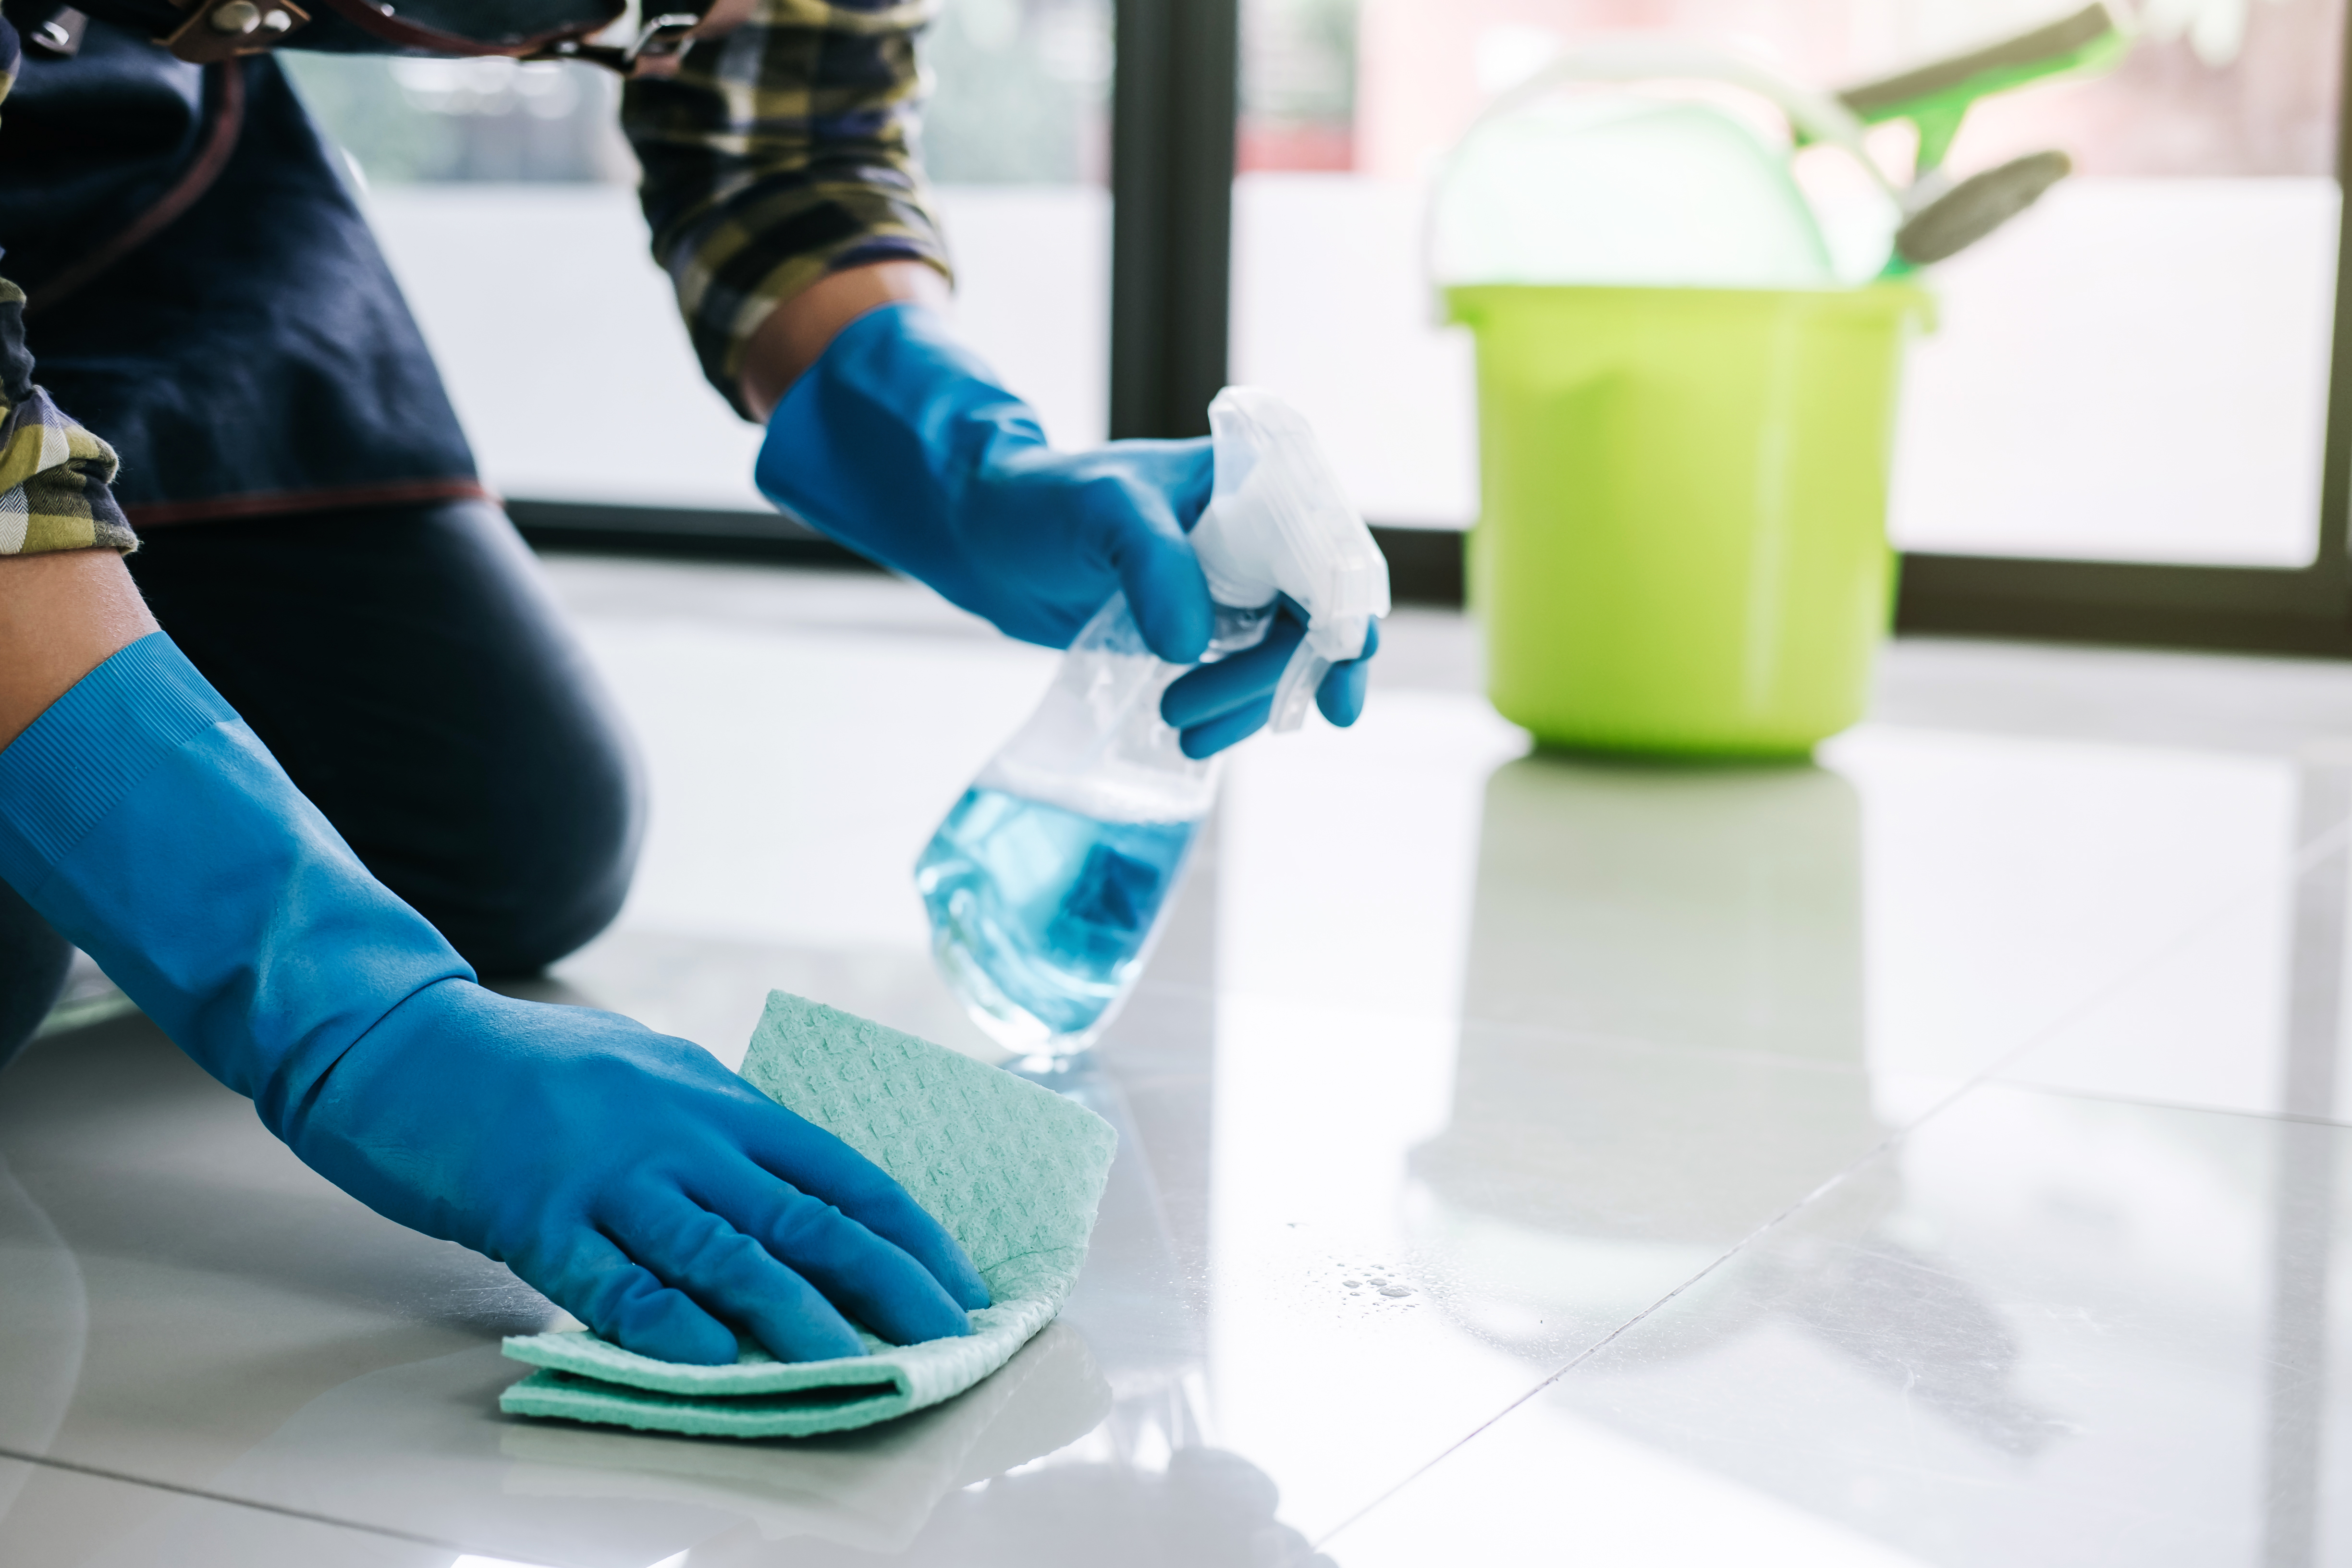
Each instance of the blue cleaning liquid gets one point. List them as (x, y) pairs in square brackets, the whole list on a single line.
[(1040, 916)]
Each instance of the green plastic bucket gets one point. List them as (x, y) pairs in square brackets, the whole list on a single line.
[(1682, 543)]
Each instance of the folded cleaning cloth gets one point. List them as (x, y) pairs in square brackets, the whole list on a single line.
[(874, 1490), (1013, 1170)]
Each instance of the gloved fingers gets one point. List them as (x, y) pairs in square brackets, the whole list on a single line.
[(1132, 524), (866, 1277), (1225, 730), (1234, 683), (1184, 471), (1342, 695), (1221, 704), (732, 1277), (623, 1302), (1167, 593), (807, 1159)]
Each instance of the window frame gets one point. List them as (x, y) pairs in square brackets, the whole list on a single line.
[(2302, 610)]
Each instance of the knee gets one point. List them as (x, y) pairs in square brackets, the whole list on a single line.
[(552, 867), (409, 668)]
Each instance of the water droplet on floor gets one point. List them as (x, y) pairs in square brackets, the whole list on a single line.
[(1353, 1283), (1396, 1289)]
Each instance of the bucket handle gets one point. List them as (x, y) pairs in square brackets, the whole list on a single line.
[(1649, 57)]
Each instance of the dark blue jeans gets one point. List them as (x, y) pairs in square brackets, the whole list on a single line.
[(407, 667)]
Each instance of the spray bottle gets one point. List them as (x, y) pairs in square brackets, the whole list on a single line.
[(1047, 883)]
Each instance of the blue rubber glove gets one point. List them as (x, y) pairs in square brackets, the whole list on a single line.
[(627, 1174), (899, 443), (1221, 704)]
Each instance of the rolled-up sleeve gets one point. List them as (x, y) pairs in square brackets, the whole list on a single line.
[(55, 476), (778, 153)]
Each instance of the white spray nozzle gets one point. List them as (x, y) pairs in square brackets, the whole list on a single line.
[(1279, 523)]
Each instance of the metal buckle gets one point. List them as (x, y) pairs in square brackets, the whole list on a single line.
[(224, 30), (59, 37), (660, 37)]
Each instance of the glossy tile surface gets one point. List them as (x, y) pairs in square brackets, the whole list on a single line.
[(70, 1518), (1926, 1157), (2041, 1329)]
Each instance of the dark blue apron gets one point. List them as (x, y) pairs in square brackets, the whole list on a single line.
[(205, 294)]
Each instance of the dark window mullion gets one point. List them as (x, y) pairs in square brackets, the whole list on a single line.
[(1174, 101)]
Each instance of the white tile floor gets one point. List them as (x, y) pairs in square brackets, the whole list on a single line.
[(1935, 1157)]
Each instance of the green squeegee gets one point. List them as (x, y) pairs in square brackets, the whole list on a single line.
[(1941, 219), (1937, 98)]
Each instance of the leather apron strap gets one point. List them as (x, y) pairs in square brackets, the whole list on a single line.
[(222, 29)]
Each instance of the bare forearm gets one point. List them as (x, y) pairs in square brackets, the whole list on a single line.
[(799, 330), (61, 617)]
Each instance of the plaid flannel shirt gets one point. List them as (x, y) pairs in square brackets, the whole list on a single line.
[(53, 473), (779, 152)]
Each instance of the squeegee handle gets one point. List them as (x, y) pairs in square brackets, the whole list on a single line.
[(1936, 97)]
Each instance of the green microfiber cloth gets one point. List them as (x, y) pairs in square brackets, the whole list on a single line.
[(1012, 1170), (873, 1489)]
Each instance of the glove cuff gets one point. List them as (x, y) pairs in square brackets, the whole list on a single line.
[(878, 441), (92, 747), (141, 818)]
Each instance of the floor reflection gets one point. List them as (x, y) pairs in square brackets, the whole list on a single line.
[(1715, 908), (874, 1490), (1662, 1048), (2028, 1327), (1205, 1507), (1690, 942), (46, 1330), (2306, 1200)]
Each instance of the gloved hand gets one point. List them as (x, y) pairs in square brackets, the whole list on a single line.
[(641, 1185), (899, 443), (633, 1179), (1219, 704)]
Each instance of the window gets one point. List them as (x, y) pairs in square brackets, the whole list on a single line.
[(505, 198), (2122, 428), (2135, 371)]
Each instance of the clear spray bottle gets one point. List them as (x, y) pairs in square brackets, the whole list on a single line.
[(1047, 883)]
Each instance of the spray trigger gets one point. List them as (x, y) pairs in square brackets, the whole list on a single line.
[(1279, 523), (1301, 679)]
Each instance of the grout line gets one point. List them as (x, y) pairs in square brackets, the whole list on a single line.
[(2306, 859), (2309, 856), (1873, 1152), (2188, 1107), (48, 1462)]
